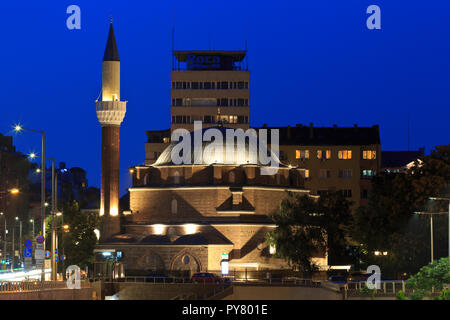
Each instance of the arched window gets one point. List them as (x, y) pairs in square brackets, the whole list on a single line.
[(176, 178), (231, 177), (174, 206)]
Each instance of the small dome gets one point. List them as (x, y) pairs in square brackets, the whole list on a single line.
[(210, 154)]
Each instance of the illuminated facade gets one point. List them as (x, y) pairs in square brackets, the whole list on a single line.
[(335, 158), (207, 86), (110, 113), (184, 217)]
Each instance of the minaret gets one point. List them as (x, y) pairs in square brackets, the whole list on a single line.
[(110, 113)]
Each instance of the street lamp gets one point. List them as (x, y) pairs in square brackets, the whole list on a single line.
[(445, 199), (18, 128)]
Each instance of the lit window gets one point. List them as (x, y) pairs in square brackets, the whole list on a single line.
[(368, 173), (345, 154), (306, 173), (301, 154), (328, 154), (319, 154), (369, 154)]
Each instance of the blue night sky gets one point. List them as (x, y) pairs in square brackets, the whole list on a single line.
[(310, 61)]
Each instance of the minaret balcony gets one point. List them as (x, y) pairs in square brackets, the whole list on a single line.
[(111, 112)]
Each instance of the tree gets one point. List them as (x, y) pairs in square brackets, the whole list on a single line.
[(304, 226), (389, 223), (80, 241)]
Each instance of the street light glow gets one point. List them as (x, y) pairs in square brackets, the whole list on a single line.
[(32, 155), (14, 190), (17, 128)]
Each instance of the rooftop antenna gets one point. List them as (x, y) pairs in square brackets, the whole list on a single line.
[(173, 38), (408, 130), (245, 45)]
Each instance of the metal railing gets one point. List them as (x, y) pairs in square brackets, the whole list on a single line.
[(387, 288), (27, 285)]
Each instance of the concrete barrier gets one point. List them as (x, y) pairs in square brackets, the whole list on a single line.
[(50, 294), (159, 291), (258, 292)]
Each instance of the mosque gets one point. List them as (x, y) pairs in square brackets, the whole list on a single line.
[(189, 217)]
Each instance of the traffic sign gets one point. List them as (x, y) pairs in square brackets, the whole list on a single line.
[(48, 253), (63, 257), (56, 251), (40, 239), (28, 243), (56, 258), (28, 252)]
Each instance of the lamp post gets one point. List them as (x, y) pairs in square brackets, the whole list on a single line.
[(431, 229), (32, 222), (445, 199), (52, 212), (4, 236), (13, 243), (19, 128)]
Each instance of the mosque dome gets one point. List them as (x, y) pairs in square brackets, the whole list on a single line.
[(216, 152)]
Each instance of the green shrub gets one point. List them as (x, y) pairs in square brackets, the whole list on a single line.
[(445, 294), (400, 295), (418, 294), (365, 291)]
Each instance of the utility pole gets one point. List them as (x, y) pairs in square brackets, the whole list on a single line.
[(13, 252), (20, 241)]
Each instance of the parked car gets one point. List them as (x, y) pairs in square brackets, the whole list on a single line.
[(338, 279), (358, 277), (205, 277), (158, 277)]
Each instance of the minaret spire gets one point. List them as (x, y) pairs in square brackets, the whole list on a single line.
[(111, 52)]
